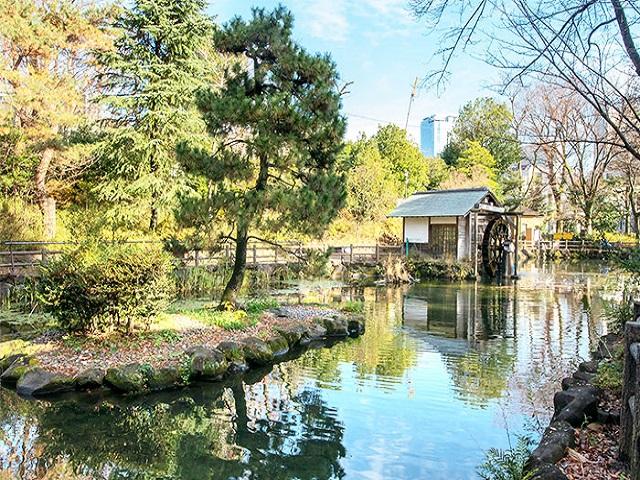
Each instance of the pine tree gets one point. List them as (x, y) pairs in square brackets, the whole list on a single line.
[(163, 55), (46, 72), (278, 130)]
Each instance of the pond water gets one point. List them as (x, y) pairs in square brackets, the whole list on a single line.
[(443, 372)]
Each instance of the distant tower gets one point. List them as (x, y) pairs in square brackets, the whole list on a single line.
[(434, 134)]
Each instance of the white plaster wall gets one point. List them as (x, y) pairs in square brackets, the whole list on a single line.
[(443, 220), (463, 236), (416, 229)]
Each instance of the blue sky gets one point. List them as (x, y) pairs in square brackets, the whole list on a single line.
[(381, 48)]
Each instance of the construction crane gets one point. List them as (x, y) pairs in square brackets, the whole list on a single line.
[(414, 90)]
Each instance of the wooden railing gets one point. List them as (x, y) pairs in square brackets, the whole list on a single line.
[(22, 258), (577, 246)]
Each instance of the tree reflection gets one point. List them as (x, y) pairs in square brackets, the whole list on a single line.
[(259, 428)]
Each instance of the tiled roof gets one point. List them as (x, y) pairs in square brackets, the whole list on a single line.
[(441, 203)]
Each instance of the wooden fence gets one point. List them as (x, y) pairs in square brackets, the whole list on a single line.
[(22, 258), (576, 246)]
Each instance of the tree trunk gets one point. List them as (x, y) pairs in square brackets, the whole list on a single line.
[(153, 218), (237, 275), (46, 203)]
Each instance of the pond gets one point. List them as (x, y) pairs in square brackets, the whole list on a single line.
[(443, 372)]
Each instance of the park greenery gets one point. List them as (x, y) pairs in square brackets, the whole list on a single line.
[(150, 120)]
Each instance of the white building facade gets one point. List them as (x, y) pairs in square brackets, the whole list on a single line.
[(434, 134)]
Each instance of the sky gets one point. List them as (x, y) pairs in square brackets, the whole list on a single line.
[(382, 49)]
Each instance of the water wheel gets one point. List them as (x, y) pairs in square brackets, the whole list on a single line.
[(496, 233)]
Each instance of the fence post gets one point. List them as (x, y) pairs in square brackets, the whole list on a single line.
[(275, 255), (43, 255), (11, 260), (255, 255), (197, 257), (351, 253), (377, 253)]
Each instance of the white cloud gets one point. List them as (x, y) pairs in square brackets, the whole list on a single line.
[(326, 19)]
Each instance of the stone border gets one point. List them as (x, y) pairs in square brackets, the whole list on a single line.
[(575, 404), (203, 364)]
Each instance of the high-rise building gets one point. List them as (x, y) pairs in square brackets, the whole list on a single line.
[(434, 134)]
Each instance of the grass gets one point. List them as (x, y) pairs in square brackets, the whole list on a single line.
[(610, 372), (352, 307), (206, 313)]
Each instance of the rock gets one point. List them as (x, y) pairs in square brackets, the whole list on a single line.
[(317, 332), (570, 382), (584, 376), (588, 367), (232, 350), (608, 418), (294, 334), (38, 381), (278, 345), (208, 364), (130, 378), (548, 472), (576, 405), (256, 351), (336, 326), (166, 378), (556, 439), (237, 367), (356, 326), (7, 361), (16, 369), (90, 379)]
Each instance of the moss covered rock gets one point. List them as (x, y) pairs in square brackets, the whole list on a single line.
[(17, 369), (336, 326), (130, 378), (256, 351), (90, 379), (232, 351), (278, 345), (208, 363), (39, 382), (294, 334), (356, 326), (166, 378)]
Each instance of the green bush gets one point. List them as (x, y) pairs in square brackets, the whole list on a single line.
[(507, 464), (611, 371), (106, 287), (440, 269)]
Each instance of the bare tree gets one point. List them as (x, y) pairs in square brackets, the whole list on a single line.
[(570, 145), (587, 46)]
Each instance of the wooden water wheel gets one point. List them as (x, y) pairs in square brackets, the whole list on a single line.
[(496, 233)]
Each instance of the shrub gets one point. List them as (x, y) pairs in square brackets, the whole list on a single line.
[(441, 269), (507, 464), (106, 287), (611, 371)]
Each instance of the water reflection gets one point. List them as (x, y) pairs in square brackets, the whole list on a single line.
[(441, 372)]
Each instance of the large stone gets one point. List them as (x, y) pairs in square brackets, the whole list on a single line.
[(317, 332), (556, 439), (295, 334), (166, 378), (589, 367), (571, 382), (17, 369), (576, 405), (278, 345), (548, 472), (356, 326), (208, 364), (584, 376), (90, 379), (256, 351), (232, 350), (337, 326), (39, 382), (130, 378), (7, 361)]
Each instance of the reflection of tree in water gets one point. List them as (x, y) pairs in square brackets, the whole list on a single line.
[(266, 430), (384, 350)]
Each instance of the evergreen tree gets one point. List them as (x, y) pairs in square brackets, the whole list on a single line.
[(47, 72), (278, 129), (164, 53)]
